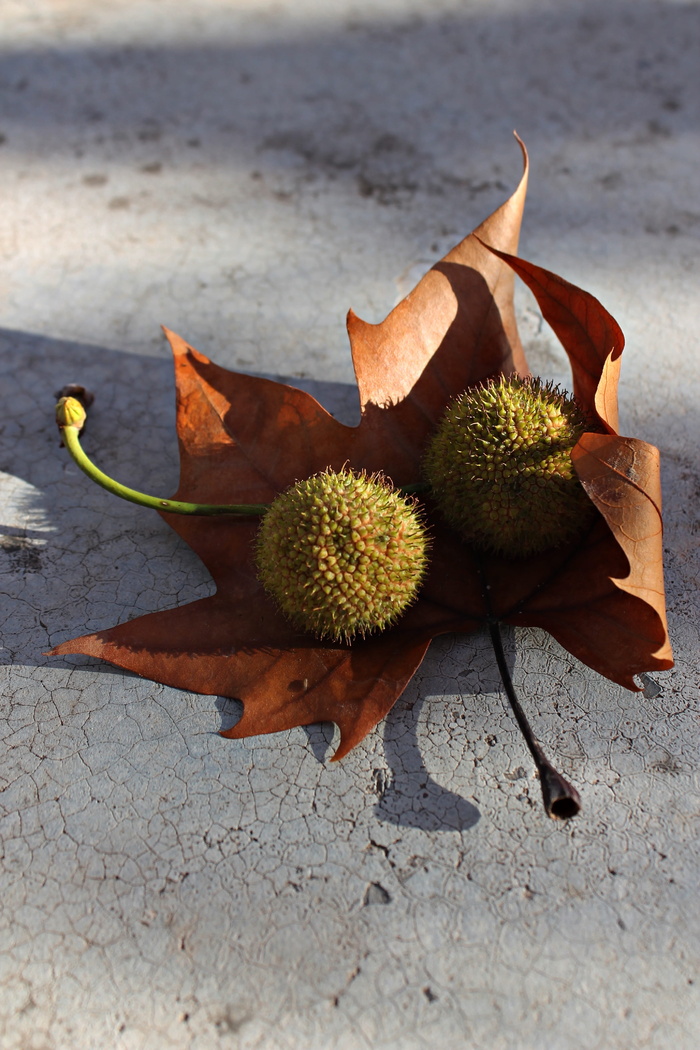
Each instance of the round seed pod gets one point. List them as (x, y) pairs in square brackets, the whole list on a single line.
[(342, 554), (500, 467)]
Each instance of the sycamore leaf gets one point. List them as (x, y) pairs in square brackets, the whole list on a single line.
[(244, 439)]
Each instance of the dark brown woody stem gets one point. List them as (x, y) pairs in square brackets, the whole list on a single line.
[(561, 799)]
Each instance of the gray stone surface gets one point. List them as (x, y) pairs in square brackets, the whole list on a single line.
[(244, 172)]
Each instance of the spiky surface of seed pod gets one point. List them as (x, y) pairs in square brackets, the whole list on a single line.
[(342, 554), (500, 466)]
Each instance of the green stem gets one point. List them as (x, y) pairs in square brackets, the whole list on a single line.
[(71, 439)]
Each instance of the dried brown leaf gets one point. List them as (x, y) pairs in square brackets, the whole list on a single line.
[(245, 439)]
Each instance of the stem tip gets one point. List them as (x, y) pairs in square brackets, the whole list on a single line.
[(561, 799), (70, 413)]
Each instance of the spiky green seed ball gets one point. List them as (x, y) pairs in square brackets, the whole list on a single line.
[(500, 467), (342, 554)]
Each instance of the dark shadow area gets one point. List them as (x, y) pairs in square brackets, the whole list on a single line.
[(35, 367), (409, 796), (230, 712), (320, 737), (357, 103)]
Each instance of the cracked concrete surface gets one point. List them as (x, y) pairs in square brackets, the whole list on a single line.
[(244, 172)]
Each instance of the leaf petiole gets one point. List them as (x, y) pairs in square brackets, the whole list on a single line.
[(561, 799)]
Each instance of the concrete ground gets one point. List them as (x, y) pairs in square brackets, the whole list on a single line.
[(244, 171)]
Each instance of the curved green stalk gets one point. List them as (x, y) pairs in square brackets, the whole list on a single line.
[(71, 415), (71, 439)]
